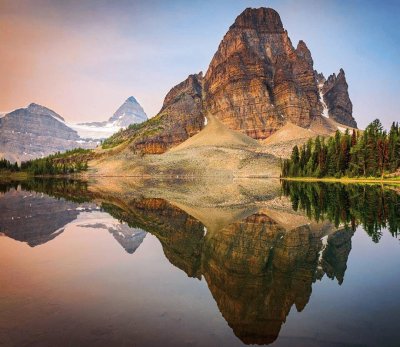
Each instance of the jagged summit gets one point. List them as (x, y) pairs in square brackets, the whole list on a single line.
[(262, 19), (336, 96)]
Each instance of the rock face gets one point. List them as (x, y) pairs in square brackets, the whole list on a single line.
[(36, 131), (257, 81), (336, 97)]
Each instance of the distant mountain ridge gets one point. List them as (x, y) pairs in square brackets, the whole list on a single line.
[(37, 131)]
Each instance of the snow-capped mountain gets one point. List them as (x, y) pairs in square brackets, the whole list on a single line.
[(130, 112)]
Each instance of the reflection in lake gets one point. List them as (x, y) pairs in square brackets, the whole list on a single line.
[(261, 251)]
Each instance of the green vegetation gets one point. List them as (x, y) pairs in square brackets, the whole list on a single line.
[(68, 162), (117, 138), (372, 206), (372, 153), (145, 129)]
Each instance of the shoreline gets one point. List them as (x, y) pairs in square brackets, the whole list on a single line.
[(80, 176), (343, 180)]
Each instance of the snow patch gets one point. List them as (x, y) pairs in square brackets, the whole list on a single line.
[(325, 112)]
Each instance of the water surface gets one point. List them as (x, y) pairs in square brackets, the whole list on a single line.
[(176, 264)]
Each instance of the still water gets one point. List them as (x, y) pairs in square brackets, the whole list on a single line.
[(187, 264)]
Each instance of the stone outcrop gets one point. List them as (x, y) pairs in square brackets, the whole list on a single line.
[(257, 80), (336, 96), (36, 131)]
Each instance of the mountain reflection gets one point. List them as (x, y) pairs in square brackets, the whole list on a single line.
[(258, 261), (37, 218)]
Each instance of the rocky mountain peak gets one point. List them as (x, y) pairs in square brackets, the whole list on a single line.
[(336, 96), (262, 19), (303, 51), (128, 113), (257, 81)]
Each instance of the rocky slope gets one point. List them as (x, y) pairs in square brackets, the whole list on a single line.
[(214, 152), (36, 131)]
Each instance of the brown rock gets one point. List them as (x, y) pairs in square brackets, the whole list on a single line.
[(337, 99), (257, 81)]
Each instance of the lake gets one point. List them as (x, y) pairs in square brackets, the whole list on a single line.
[(118, 262)]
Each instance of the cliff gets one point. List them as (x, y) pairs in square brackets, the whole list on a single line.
[(257, 81)]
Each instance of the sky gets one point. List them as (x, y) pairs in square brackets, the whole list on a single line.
[(84, 58)]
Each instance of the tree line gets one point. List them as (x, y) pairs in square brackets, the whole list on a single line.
[(69, 162), (6, 165), (373, 152)]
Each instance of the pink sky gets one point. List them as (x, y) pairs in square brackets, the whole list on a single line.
[(83, 59)]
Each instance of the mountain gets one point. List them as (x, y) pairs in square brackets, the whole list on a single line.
[(130, 112), (36, 131), (257, 83)]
